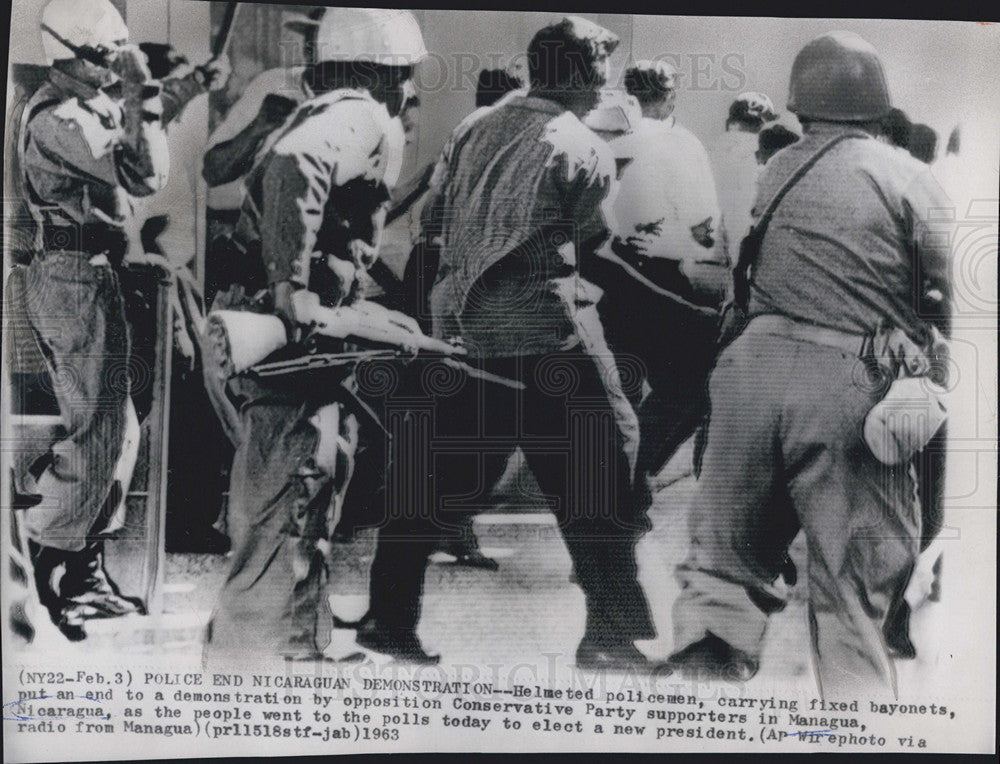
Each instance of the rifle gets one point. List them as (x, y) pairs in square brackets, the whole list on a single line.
[(222, 38), (332, 360), (241, 340)]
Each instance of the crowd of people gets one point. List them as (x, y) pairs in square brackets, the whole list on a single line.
[(585, 284)]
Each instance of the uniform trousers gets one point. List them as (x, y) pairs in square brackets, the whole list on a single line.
[(785, 452)]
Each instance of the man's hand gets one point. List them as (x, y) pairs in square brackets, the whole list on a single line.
[(394, 326), (640, 243), (362, 253), (161, 58), (215, 72), (129, 63), (274, 110), (369, 321)]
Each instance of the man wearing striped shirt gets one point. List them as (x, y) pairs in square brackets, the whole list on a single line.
[(520, 204)]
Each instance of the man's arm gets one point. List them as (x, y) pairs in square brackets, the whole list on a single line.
[(231, 159), (117, 141), (177, 92)]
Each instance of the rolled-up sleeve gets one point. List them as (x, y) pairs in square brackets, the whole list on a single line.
[(291, 216), (76, 141)]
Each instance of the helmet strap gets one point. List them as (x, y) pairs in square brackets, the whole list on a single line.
[(83, 52)]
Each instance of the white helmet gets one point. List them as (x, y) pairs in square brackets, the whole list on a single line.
[(93, 24), (377, 35)]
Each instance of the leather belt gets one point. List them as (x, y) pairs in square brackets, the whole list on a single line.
[(90, 238), (854, 344)]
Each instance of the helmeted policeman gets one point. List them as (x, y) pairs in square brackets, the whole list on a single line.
[(313, 217), (262, 108), (847, 249), (91, 140), (520, 197)]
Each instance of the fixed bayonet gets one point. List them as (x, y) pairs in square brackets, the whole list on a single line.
[(332, 360)]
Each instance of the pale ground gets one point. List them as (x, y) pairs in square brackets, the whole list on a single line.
[(529, 612)]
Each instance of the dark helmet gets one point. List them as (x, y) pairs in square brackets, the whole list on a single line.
[(838, 77)]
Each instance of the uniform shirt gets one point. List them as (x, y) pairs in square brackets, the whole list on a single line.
[(841, 248), (289, 84), (284, 82), (736, 173), (507, 171), (318, 186), (667, 190), (81, 163)]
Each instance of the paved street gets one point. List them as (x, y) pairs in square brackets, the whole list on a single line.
[(529, 613)]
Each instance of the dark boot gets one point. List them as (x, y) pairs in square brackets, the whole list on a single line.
[(67, 616), (896, 631), (593, 656), (88, 585), (713, 658), (400, 643)]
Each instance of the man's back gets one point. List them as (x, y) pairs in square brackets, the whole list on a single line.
[(517, 168), (843, 247), (668, 180), (319, 186)]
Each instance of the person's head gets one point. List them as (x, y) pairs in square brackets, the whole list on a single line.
[(81, 38), (896, 128), (838, 77), (371, 49), (568, 63), (750, 112), (654, 86), (409, 113), (494, 84), (773, 139), (923, 143)]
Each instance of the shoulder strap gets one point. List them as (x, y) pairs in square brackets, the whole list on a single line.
[(765, 218), (750, 246)]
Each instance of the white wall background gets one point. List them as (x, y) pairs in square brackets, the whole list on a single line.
[(941, 73)]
